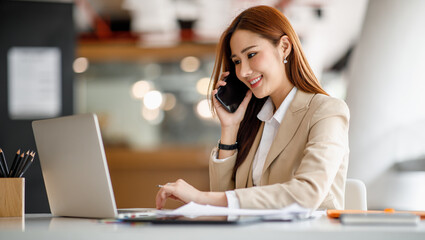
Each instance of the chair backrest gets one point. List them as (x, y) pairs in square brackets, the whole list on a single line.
[(355, 195)]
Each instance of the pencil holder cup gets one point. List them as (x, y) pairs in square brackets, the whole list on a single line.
[(12, 197)]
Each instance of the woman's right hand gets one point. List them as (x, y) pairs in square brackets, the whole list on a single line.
[(184, 192), (230, 119), (178, 190)]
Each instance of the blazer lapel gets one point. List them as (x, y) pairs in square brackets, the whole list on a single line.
[(244, 172), (290, 123)]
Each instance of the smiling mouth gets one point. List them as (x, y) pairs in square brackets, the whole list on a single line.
[(255, 80)]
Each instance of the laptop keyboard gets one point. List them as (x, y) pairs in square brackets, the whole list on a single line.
[(136, 212)]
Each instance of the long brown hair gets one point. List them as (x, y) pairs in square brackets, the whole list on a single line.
[(270, 24)]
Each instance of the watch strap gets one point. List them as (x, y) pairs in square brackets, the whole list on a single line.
[(227, 147)]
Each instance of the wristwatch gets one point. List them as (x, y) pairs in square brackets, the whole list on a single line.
[(227, 147)]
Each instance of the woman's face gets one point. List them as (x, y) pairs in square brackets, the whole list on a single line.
[(258, 63)]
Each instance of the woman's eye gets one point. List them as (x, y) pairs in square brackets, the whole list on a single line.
[(236, 62), (250, 55)]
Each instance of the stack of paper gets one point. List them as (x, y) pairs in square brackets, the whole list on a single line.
[(192, 209)]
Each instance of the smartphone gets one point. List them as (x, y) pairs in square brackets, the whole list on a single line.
[(231, 95)]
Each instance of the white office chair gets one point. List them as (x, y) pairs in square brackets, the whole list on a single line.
[(355, 195)]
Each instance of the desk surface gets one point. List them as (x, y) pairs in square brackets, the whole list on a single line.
[(43, 226)]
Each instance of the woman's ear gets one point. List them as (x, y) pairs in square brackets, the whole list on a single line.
[(286, 45)]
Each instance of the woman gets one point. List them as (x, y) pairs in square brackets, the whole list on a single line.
[(288, 140)]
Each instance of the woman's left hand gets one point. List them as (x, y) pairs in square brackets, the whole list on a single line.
[(179, 190)]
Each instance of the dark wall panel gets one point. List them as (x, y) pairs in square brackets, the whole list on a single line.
[(33, 24)]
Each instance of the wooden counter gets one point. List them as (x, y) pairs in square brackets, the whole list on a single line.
[(103, 52), (135, 174)]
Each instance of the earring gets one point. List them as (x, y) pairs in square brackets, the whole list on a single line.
[(285, 61)]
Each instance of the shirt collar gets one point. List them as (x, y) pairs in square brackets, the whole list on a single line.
[(266, 112)]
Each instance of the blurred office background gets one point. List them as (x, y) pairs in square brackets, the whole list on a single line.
[(144, 67)]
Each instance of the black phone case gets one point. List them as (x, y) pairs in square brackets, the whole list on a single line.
[(231, 95)]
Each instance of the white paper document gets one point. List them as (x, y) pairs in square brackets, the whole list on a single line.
[(193, 209), (34, 82)]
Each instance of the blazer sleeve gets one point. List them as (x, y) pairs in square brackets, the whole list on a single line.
[(221, 173), (324, 153)]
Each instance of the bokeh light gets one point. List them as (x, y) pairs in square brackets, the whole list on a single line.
[(152, 100), (203, 109), (169, 101), (190, 64), (153, 116), (80, 65), (140, 88), (202, 86)]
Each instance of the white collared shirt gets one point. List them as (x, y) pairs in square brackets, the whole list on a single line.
[(271, 127)]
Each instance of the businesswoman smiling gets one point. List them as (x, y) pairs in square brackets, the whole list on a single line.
[(288, 140)]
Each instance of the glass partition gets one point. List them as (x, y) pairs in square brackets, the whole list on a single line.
[(145, 105)]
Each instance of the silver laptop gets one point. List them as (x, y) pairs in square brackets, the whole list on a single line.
[(75, 169)]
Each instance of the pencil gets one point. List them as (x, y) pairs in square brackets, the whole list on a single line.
[(4, 171), (15, 161), (18, 163), (22, 164), (20, 159), (27, 164)]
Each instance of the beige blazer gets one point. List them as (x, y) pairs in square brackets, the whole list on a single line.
[(307, 162)]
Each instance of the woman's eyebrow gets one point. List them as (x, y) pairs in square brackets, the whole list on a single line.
[(243, 50)]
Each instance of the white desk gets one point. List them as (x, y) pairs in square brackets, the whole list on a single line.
[(43, 226)]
